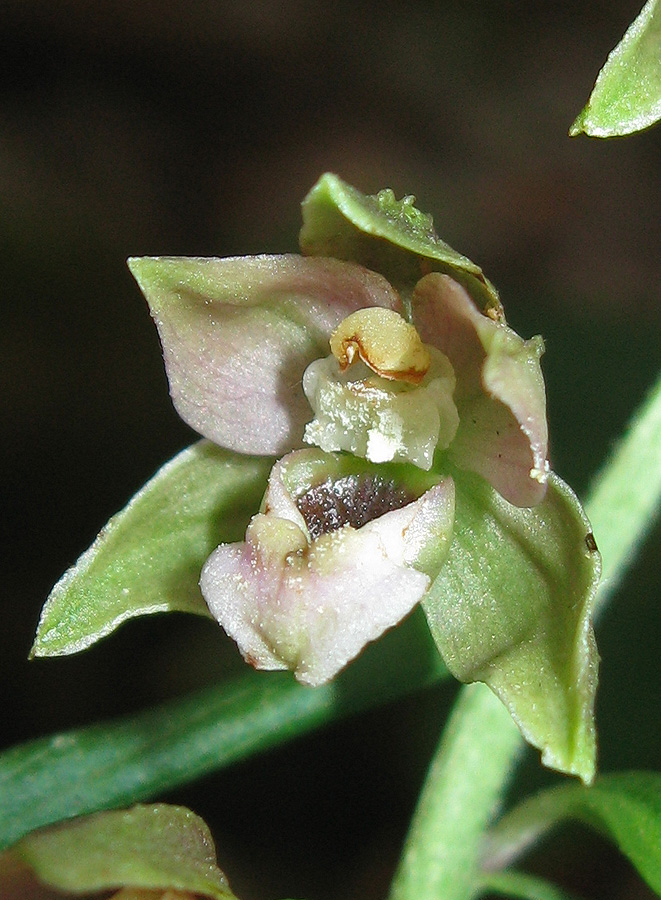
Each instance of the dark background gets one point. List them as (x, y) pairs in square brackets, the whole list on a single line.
[(131, 128)]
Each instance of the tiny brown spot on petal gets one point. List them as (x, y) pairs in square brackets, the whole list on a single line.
[(590, 542)]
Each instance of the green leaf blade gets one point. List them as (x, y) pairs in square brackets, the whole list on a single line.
[(136, 758), (625, 807), (625, 495), (148, 557), (512, 607), (160, 847), (627, 94)]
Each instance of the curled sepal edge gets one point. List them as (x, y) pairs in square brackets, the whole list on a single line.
[(389, 236)]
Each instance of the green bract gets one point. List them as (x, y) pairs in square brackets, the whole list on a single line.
[(497, 549)]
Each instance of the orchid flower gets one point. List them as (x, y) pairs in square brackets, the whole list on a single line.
[(279, 339), (408, 421), (311, 586)]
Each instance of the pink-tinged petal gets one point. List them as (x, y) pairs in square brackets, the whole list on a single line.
[(311, 605), (238, 333), (500, 393)]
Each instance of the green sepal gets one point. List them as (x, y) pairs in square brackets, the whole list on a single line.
[(627, 94), (148, 557), (512, 607), (387, 235), (625, 807), (158, 847)]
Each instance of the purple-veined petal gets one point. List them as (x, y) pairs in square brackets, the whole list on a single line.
[(238, 333), (500, 393), (311, 605)]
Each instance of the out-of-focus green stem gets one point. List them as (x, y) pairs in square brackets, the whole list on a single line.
[(462, 790), (625, 495), (118, 763)]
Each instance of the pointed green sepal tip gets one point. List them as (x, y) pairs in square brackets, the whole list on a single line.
[(147, 559), (145, 269), (627, 94), (391, 236), (512, 607)]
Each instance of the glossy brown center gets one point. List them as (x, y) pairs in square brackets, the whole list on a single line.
[(353, 500)]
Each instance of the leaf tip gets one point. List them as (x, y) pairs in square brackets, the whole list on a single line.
[(578, 125)]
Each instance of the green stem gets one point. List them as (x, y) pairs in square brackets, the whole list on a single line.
[(470, 770), (624, 497), (460, 795)]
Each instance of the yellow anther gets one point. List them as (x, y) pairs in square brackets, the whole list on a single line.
[(384, 341)]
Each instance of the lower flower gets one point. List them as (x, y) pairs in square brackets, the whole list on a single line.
[(341, 551)]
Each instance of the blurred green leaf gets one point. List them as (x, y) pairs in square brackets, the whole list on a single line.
[(625, 807), (627, 93), (138, 757), (165, 847), (512, 607), (387, 235), (521, 886), (148, 557)]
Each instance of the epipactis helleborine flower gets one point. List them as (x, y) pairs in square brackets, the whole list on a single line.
[(410, 424), (338, 555)]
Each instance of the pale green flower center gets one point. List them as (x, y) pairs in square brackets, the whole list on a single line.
[(383, 394)]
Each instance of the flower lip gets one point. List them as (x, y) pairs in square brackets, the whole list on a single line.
[(293, 600)]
